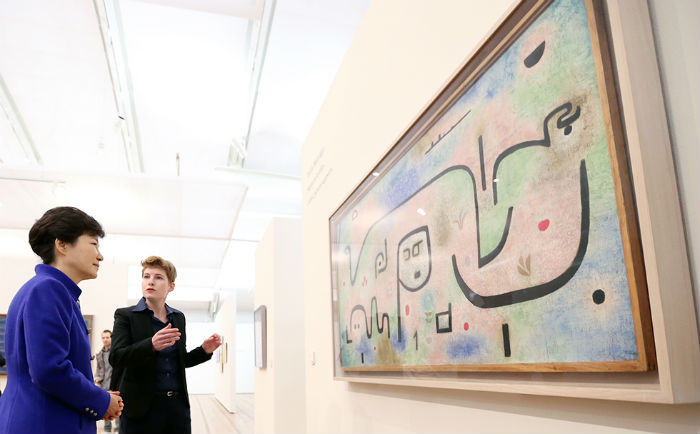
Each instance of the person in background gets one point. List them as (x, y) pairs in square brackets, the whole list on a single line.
[(149, 350), (50, 387), (103, 375)]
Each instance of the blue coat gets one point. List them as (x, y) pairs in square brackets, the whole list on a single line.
[(50, 387)]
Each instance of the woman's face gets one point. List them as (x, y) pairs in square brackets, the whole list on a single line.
[(154, 284), (83, 257)]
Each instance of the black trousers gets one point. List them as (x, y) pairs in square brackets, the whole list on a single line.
[(168, 415)]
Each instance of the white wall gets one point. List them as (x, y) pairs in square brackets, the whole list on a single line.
[(403, 53), (201, 379), (245, 353), (677, 39), (100, 297), (280, 404), (226, 380)]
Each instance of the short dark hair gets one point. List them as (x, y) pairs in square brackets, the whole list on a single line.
[(64, 223), (107, 331)]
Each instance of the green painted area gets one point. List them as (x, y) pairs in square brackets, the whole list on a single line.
[(513, 175), (602, 190)]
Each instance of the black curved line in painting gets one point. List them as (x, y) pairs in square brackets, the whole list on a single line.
[(349, 253), (369, 326), (534, 57), (562, 122), (537, 291), (424, 279), (347, 250), (504, 236), (400, 282), (481, 163), (378, 269)]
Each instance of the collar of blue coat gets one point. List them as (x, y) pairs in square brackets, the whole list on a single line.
[(48, 270), (141, 306)]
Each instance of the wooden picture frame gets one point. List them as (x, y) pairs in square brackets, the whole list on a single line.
[(3, 322), (526, 145), (260, 327)]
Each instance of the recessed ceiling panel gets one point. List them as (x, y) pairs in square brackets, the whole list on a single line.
[(183, 252), (53, 63), (308, 41), (189, 77), (248, 9), (134, 205)]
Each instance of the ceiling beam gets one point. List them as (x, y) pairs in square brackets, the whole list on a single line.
[(108, 15), (14, 117), (258, 36), (257, 173)]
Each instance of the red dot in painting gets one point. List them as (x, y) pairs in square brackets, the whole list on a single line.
[(543, 225), (466, 326), (407, 309), (375, 348)]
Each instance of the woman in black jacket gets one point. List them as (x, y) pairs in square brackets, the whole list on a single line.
[(149, 353)]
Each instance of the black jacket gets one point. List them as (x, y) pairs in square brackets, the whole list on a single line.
[(134, 358)]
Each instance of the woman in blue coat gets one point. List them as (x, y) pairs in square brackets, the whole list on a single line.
[(50, 387)]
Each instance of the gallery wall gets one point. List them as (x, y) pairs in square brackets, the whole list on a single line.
[(245, 353), (280, 404), (402, 54), (224, 359)]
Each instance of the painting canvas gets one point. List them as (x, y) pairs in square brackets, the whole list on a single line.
[(497, 237)]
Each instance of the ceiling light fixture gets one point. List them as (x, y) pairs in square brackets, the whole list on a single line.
[(24, 139), (109, 19), (236, 153), (258, 48)]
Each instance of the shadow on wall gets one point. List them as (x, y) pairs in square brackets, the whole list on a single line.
[(633, 416)]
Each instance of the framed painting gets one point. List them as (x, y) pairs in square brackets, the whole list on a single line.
[(88, 324), (499, 233), (3, 322), (260, 326)]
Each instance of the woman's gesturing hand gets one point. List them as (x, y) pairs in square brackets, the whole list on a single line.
[(166, 337), (211, 343)]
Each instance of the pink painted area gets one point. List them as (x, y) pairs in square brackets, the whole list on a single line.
[(466, 326), (551, 251), (407, 310)]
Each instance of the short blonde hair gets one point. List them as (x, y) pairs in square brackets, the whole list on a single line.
[(158, 262)]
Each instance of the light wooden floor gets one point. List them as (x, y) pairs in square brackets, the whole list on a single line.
[(210, 417)]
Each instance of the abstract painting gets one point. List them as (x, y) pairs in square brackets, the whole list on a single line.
[(497, 237)]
